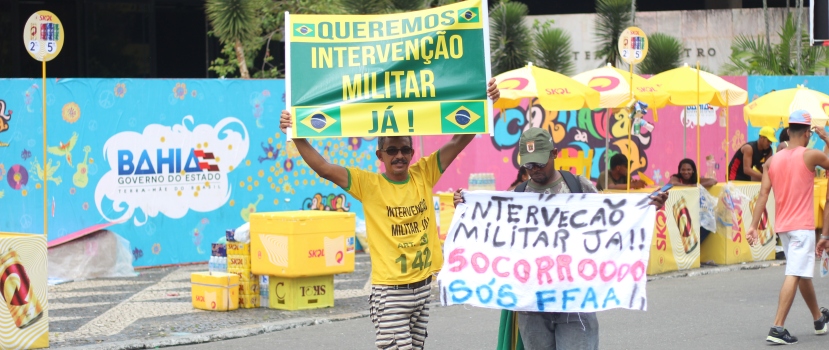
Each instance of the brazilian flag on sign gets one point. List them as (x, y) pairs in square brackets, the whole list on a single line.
[(305, 30), (469, 15), (316, 122), (462, 117)]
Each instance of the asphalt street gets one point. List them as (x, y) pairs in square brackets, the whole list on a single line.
[(730, 310)]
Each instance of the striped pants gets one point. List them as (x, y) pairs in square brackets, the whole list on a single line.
[(399, 316)]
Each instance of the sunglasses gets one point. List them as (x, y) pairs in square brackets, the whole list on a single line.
[(406, 150), (531, 166)]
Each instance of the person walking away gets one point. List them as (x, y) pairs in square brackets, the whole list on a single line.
[(790, 173)]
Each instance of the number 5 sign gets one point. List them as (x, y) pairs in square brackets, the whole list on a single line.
[(633, 45), (43, 36)]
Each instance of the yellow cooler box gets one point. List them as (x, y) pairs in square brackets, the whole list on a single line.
[(215, 291), (302, 243), (301, 293)]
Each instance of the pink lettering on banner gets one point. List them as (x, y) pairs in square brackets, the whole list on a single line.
[(495, 267), (456, 257), (475, 265), (552, 253), (593, 269), (563, 262), (525, 268), (545, 264)]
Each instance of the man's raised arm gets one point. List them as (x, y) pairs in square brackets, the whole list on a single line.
[(332, 172), (455, 146)]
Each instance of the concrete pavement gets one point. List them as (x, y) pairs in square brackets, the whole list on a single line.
[(154, 310), (728, 310)]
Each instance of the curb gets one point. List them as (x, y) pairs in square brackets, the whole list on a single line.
[(240, 332), (257, 329), (718, 269)]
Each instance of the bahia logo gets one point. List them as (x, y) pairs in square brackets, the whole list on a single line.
[(166, 161), (170, 169)]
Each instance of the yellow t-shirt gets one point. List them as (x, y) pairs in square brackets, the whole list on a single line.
[(400, 222)]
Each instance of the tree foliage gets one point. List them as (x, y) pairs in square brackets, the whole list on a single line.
[(268, 24), (233, 23), (510, 41), (664, 53), (750, 55), (612, 18), (553, 49)]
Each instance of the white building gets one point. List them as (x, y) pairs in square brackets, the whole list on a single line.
[(706, 34)]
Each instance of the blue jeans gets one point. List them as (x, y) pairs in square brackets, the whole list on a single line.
[(559, 330)]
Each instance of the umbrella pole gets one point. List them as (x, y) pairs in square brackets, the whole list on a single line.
[(630, 128), (726, 136), (607, 144), (699, 111)]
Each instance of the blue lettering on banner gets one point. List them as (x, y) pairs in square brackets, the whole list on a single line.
[(197, 161)]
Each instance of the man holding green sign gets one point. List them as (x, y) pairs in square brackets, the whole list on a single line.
[(391, 77), (400, 222)]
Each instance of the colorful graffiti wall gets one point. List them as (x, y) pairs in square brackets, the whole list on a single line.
[(656, 153), (173, 163)]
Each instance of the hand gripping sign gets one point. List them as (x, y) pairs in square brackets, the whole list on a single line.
[(551, 253)]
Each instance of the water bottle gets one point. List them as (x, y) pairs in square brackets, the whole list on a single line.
[(211, 264), (223, 268)]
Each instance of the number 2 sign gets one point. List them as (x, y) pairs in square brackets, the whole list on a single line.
[(43, 36), (633, 45)]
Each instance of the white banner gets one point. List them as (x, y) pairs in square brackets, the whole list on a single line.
[(551, 253)]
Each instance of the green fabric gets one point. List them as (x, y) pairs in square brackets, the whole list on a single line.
[(507, 332)]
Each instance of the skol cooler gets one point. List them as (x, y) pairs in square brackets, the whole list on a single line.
[(217, 291), (18, 294), (302, 243), (301, 293)]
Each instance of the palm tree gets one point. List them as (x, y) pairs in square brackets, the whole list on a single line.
[(766, 15), (553, 50), (234, 22), (509, 39), (749, 54), (664, 53), (612, 17), (410, 5), (365, 7), (368, 7)]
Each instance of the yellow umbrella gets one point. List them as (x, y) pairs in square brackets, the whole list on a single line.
[(614, 88), (774, 108), (555, 92), (693, 87), (615, 91), (681, 84)]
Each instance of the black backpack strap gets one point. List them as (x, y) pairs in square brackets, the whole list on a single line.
[(572, 182)]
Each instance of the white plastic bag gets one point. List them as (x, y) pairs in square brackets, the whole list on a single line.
[(725, 209), (707, 203), (242, 233), (98, 255)]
